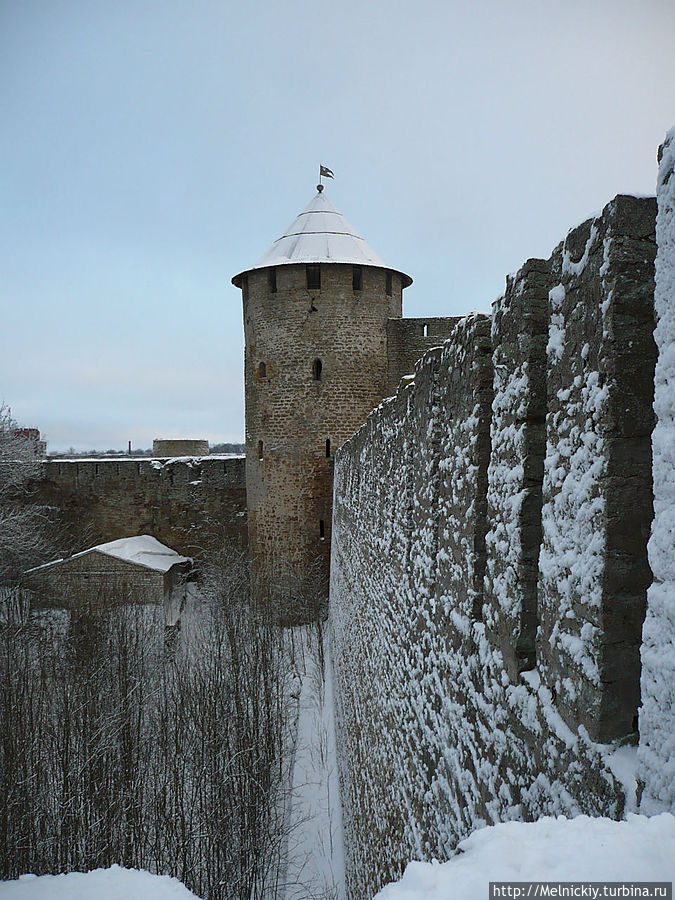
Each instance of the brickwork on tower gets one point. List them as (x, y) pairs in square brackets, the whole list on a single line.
[(167, 447), (315, 366)]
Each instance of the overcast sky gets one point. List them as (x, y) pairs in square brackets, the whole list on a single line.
[(150, 149)]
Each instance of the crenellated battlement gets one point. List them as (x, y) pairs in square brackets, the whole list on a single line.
[(191, 504), (489, 566)]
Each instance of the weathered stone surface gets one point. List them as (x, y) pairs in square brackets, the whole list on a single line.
[(408, 340), (597, 489), (656, 751), (440, 582), (166, 447), (515, 473), (293, 410), (88, 581), (192, 505)]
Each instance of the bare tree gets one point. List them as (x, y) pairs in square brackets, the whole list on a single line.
[(25, 526), (116, 747)]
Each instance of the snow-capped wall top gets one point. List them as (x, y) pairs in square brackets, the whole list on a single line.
[(553, 850), (320, 234)]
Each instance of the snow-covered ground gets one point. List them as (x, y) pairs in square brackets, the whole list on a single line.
[(114, 883), (315, 869), (581, 849)]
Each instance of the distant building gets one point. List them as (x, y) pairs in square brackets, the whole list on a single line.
[(183, 447), (130, 570), (31, 437)]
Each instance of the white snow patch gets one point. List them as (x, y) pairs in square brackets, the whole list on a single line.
[(556, 328), (623, 765), (315, 866), (576, 268), (143, 550), (580, 849), (115, 883)]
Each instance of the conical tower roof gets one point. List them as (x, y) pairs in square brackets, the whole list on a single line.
[(320, 234)]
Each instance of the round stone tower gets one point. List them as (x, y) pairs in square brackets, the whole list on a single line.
[(315, 323)]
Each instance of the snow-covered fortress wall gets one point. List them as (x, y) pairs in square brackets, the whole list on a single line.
[(597, 487), (657, 715), (489, 566), (191, 504)]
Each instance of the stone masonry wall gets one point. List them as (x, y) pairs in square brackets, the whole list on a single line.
[(90, 579), (408, 340), (191, 505), (297, 416), (656, 752), (453, 507), (597, 488), (518, 436)]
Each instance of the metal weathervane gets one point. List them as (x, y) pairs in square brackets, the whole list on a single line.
[(324, 172)]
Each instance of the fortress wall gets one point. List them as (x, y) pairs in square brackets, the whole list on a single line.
[(192, 505), (408, 340), (597, 488), (375, 524), (450, 715), (166, 447), (518, 438), (386, 584), (656, 751)]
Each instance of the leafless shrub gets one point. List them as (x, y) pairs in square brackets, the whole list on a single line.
[(292, 598), (115, 747), (26, 532)]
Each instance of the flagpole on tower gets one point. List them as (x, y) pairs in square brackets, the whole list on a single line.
[(324, 172)]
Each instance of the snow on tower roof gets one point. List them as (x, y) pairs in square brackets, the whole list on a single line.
[(320, 234)]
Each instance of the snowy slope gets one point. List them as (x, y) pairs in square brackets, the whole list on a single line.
[(114, 883), (315, 866), (581, 849)]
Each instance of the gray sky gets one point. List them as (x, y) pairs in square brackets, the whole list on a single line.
[(150, 149)]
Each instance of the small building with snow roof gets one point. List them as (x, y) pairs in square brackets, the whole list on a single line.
[(129, 570)]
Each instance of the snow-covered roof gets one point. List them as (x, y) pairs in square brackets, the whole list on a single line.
[(320, 234), (142, 550)]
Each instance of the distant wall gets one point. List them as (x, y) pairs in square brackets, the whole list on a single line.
[(191, 505), (489, 565), (408, 340), (162, 447)]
